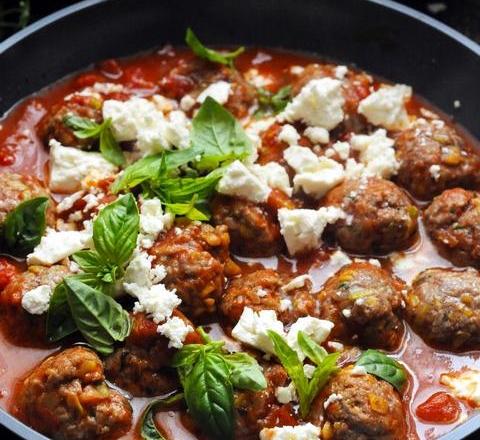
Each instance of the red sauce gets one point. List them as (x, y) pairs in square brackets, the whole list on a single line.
[(7, 271), (22, 151)]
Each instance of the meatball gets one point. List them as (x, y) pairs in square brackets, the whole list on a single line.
[(433, 157), (54, 127), (66, 397), (253, 228), (364, 301), (444, 307), (261, 409), (380, 216), (359, 407), (196, 259), (19, 325), (265, 290), (17, 188), (453, 222), (142, 366)]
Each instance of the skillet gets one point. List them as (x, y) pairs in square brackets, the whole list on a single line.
[(379, 36)]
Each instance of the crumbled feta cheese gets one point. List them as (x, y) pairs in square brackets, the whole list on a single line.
[(177, 130), (374, 262), (285, 304), (91, 201), (340, 72), (68, 202), (156, 301), (36, 301), (107, 87), (289, 135), (69, 166), (330, 399), (298, 432), (353, 169), (239, 181), (175, 330), (152, 219), (165, 105), (386, 107), (435, 171), (56, 245), (273, 175), (358, 370), (334, 345), (252, 328), (286, 394), (319, 103), (219, 91), (347, 313), (261, 293), (317, 329), (187, 102), (255, 78), (254, 130), (303, 228), (309, 369), (296, 283), (318, 135), (464, 384), (340, 258), (138, 271), (296, 70), (342, 149), (376, 153)]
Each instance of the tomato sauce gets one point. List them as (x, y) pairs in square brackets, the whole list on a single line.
[(431, 412)]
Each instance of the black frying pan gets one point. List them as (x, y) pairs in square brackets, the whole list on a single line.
[(382, 37)]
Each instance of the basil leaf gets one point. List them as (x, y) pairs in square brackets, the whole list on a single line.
[(312, 350), (89, 261), (245, 373), (99, 318), (115, 230), (218, 135), (209, 54), (273, 102), (321, 375), (60, 322), (294, 367), (209, 395), (24, 226), (384, 367), (188, 210), (83, 128), (148, 429)]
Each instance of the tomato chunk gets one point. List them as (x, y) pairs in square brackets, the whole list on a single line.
[(439, 408), (7, 272)]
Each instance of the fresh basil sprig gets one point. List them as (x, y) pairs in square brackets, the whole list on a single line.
[(24, 226), (384, 367), (214, 56), (208, 376), (148, 429), (84, 128), (307, 389), (273, 102)]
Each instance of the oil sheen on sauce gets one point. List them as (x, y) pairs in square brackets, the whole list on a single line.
[(22, 151)]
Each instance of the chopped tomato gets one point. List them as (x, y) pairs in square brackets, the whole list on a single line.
[(439, 408), (7, 272), (282, 416), (278, 199)]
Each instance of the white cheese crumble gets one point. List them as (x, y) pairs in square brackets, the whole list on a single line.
[(334, 345), (376, 153), (330, 399), (342, 149), (302, 228), (286, 394), (386, 107), (158, 302), (254, 130), (340, 258), (273, 175), (36, 301), (285, 304), (289, 135), (239, 181), (68, 202), (435, 171), (219, 91), (358, 370), (152, 221), (340, 72), (319, 103), (299, 432), (187, 102), (252, 328), (69, 166), (318, 135), (175, 330), (317, 329), (353, 169), (296, 283)]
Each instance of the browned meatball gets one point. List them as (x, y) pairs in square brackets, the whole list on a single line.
[(444, 307), (253, 228), (17, 188), (262, 290), (142, 366), (380, 216), (66, 397), (364, 301), (453, 222), (54, 127), (361, 407), (20, 326), (197, 260), (433, 157)]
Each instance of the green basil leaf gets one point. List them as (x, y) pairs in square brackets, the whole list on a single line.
[(321, 375), (109, 147), (24, 226), (187, 210), (99, 318), (218, 135), (83, 128), (148, 429), (294, 367), (384, 367), (60, 322), (312, 350), (245, 372), (89, 261), (209, 54), (209, 396), (115, 230), (273, 102)]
